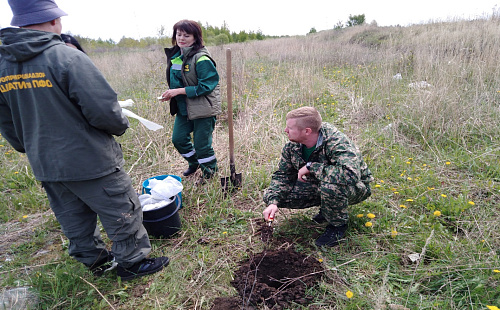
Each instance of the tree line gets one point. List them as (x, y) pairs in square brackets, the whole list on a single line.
[(354, 20), (212, 35)]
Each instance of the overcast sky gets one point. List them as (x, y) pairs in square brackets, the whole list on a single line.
[(113, 19)]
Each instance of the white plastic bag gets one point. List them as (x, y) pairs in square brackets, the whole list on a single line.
[(166, 188), (148, 203), (163, 192)]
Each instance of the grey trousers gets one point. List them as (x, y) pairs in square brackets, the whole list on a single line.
[(77, 204), (333, 199)]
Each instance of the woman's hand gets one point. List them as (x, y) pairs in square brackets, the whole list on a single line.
[(171, 93)]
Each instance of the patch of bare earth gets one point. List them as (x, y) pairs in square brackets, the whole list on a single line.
[(276, 278)]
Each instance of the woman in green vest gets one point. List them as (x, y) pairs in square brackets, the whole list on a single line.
[(194, 95)]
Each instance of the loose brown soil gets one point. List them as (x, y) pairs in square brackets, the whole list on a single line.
[(266, 233), (277, 278)]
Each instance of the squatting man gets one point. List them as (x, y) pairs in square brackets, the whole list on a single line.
[(319, 166)]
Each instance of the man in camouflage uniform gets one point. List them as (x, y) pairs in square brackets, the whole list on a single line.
[(319, 166)]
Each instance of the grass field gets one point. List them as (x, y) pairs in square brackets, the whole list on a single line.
[(430, 136)]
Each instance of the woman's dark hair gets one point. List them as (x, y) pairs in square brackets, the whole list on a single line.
[(71, 40), (189, 27)]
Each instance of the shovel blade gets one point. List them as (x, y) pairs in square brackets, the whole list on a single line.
[(232, 183)]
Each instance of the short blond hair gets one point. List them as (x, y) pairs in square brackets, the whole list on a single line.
[(307, 117)]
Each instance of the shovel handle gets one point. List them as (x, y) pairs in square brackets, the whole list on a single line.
[(229, 78)]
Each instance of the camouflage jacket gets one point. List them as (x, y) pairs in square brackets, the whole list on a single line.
[(335, 160)]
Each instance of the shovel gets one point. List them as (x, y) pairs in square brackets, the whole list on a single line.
[(234, 181)]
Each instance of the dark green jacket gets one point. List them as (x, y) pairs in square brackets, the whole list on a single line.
[(202, 96), (57, 107), (336, 160)]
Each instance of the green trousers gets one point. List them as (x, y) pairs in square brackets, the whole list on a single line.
[(77, 205), (333, 199), (198, 150)]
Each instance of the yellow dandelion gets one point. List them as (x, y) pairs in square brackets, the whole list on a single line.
[(409, 200), (349, 294), (496, 271), (430, 188), (394, 233), (483, 241), (448, 163), (403, 206), (492, 307), (16, 172), (381, 181), (224, 232), (368, 224), (370, 215), (320, 260), (25, 216), (408, 162), (471, 203), (437, 213), (360, 215), (443, 195), (396, 193), (377, 185), (409, 178)]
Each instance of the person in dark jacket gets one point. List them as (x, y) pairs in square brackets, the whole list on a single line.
[(72, 42), (57, 107), (320, 166), (194, 96)]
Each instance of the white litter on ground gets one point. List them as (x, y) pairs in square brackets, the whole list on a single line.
[(419, 85)]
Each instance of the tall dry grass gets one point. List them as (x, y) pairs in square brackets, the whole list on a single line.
[(458, 60)]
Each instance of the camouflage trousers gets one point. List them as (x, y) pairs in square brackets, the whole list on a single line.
[(333, 199)]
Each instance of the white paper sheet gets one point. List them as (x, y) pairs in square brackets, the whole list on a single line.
[(149, 124)]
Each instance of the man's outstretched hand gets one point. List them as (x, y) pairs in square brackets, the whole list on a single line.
[(270, 211)]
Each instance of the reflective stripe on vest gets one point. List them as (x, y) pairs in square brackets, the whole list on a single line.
[(202, 58), (177, 64)]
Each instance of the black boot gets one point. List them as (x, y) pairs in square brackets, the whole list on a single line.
[(102, 265), (203, 179), (319, 218), (331, 236), (190, 170), (142, 268)]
